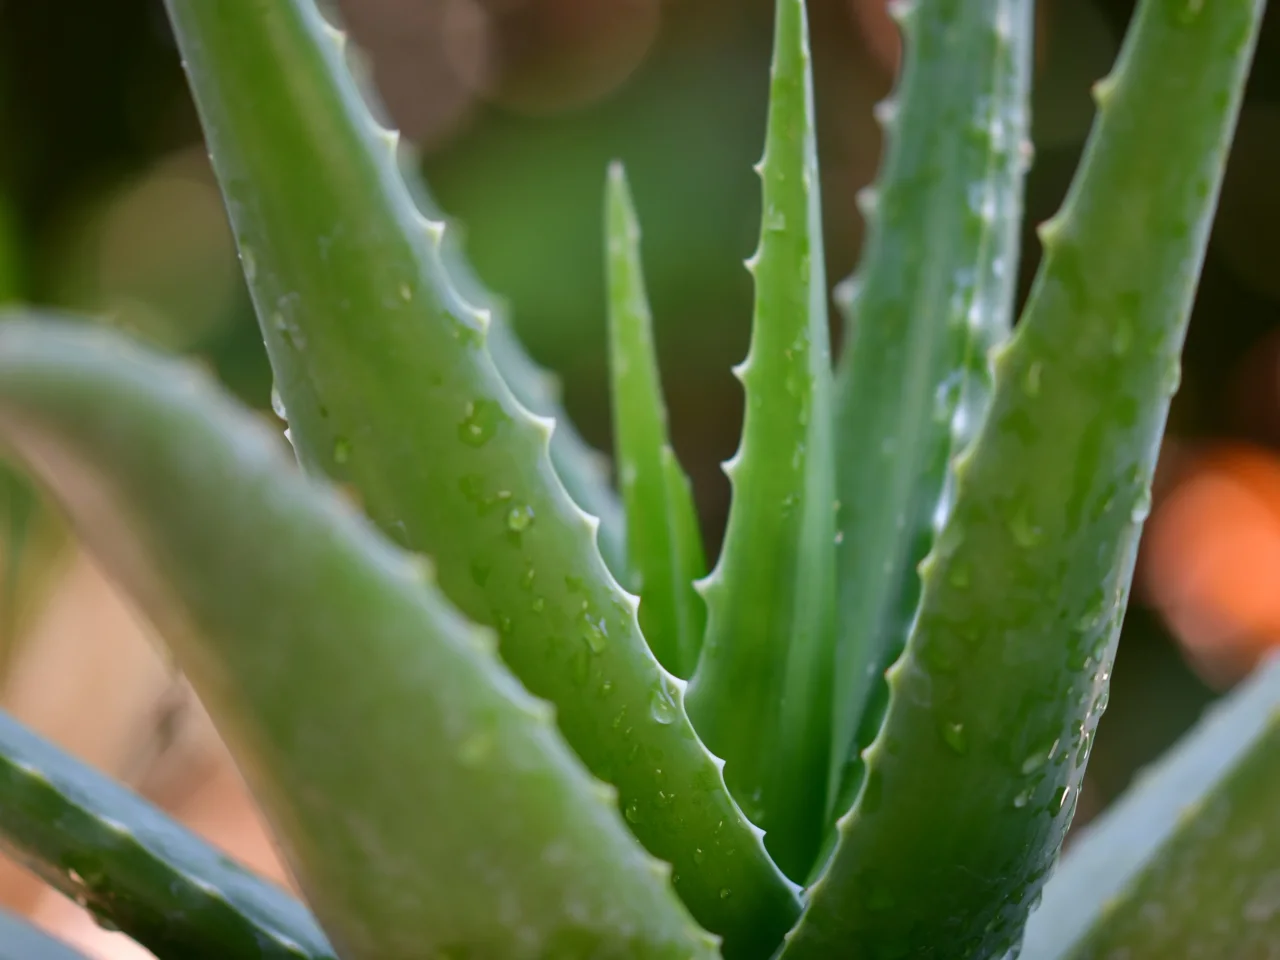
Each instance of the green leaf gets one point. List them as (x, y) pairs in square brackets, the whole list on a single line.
[(135, 869), (21, 941), (423, 799), (761, 695), (582, 470), (389, 387), (914, 380), (972, 780), (1184, 864), (664, 543)]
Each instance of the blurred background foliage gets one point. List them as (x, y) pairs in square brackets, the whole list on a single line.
[(107, 205)]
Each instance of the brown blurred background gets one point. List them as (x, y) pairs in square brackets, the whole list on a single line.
[(107, 205)]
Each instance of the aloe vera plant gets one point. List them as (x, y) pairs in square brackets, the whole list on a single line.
[(861, 732)]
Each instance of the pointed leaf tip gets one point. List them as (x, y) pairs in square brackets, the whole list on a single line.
[(664, 542), (761, 693)]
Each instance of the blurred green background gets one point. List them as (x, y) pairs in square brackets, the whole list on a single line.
[(518, 105)]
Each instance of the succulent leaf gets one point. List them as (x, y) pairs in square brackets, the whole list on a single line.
[(761, 695), (389, 387), (971, 783), (914, 379), (663, 540), (19, 940), (582, 470), (1184, 864), (423, 799), (135, 869)]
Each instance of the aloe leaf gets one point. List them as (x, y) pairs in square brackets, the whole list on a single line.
[(761, 696), (914, 382), (583, 471), (423, 799), (389, 387), (972, 780), (135, 869), (664, 544), (21, 941), (1184, 864)]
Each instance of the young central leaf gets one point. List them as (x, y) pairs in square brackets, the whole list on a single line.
[(761, 695), (663, 542)]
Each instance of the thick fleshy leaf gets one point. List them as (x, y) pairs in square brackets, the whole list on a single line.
[(135, 869), (390, 388), (1184, 864), (914, 379), (972, 780), (664, 545), (21, 941), (583, 471), (761, 695), (423, 799)]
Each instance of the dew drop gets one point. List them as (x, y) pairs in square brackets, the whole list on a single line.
[(539, 604), (277, 404), (520, 518), (406, 292), (249, 263), (480, 572), (596, 634), (725, 893), (953, 736), (1141, 507), (698, 855), (775, 221), (1023, 798), (1059, 800), (1038, 757), (480, 422), (661, 708), (633, 812), (947, 396)]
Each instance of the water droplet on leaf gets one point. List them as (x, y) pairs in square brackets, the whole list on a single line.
[(661, 708), (480, 422), (953, 736)]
